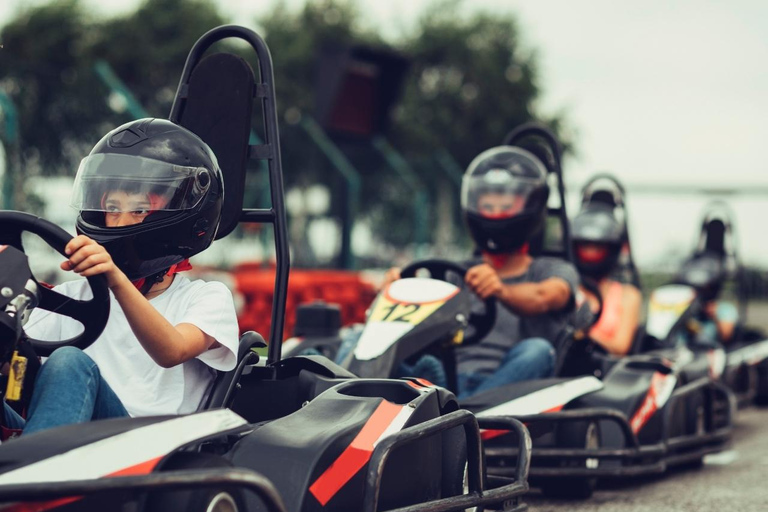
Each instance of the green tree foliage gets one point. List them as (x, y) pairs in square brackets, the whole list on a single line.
[(46, 66), (469, 82)]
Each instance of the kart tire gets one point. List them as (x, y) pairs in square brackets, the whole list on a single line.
[(211, 499), (574, 435), (761, 394)]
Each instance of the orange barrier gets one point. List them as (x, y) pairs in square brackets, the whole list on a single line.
[(256, 284)]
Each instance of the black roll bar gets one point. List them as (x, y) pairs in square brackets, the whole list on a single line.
[(539, 131), (269, 151)]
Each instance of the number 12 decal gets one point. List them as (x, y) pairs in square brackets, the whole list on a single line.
[(400, 312), (389, 311)]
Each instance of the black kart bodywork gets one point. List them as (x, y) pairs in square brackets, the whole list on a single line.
[(294, 434)]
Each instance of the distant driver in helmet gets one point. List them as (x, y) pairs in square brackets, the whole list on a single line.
[(504, 199), (150, 196), (598, 238)]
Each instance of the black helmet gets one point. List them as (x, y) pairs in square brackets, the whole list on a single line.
[(597, 235), (705, 272), (179, 187), (504, 198)]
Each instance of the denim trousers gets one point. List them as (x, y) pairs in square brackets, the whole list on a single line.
[(532, 358), (69, 389)]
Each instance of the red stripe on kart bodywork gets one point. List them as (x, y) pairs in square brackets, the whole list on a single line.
[(649, 406), (485, 435), (356, 455), (144, 468)]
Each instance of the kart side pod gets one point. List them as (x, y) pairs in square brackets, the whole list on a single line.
[(380, 443)]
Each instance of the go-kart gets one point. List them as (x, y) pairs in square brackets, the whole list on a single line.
[(647, 413), (676, 311), (643, 415), (294, 434)]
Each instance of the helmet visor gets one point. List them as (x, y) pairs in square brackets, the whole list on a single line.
[(497, 194), (591, 253), (124, 183)]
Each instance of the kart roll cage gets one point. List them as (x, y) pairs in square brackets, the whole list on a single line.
[(226, 81), (542, 142)]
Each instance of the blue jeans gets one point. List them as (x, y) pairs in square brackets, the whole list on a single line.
[(69, 389), (532, 358)]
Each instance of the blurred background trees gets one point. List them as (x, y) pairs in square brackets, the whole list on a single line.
[(467, 82)]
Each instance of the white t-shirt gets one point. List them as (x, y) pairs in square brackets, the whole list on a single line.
[(144, 387)]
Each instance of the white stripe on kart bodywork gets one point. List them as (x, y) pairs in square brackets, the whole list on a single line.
[(397, 424), (545, 399), (717, 360), (750, 354), (124, 450), (419, 290), (378, 337), (665, 307)]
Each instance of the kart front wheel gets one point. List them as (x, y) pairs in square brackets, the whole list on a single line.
[(207, 499), (575, 435)]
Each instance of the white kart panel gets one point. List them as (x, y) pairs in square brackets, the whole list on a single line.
[(125, 450), (418, 290), (666, 306), (751, 354), (378, 337), (545, 399)]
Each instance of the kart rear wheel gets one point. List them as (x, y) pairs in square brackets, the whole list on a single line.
[(575, 435), (210, 499)]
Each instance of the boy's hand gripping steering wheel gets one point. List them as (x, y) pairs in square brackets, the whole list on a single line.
[(93, 314)]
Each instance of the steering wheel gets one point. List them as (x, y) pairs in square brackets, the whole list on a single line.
[(439, 269), (93, 314)]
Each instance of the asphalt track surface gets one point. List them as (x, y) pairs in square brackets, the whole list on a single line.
[(733, 480)]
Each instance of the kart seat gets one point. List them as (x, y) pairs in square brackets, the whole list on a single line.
[(248, 341)]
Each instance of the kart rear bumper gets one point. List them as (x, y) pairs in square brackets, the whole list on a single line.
[(634, 458)]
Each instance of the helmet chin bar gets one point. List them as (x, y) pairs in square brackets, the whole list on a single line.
[(503, 236)]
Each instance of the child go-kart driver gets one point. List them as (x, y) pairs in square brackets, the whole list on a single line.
[(504, 198), (150, 196), (598, 237)]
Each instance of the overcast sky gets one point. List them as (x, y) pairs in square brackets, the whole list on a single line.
[(658, 92)]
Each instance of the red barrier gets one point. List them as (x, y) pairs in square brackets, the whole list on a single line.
[(256, 284)]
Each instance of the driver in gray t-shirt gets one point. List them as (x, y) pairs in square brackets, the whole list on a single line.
[(528, 321), (504, 199)]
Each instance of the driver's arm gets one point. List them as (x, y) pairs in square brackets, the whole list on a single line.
[(527, 299), (167, 345)]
